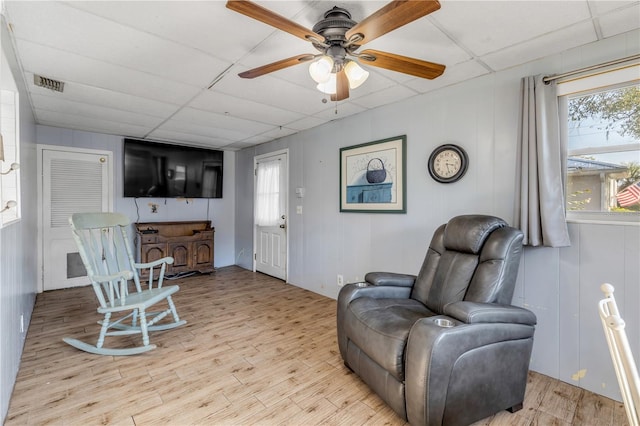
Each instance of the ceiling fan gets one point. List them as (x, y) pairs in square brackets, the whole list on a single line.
[(338, 38)]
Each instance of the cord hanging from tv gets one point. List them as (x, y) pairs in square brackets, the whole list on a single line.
[(160, 170)]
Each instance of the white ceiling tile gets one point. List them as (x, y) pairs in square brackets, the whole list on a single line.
[(61, 27), (188, 138), (620, 21), (599, 7), (58, 119), (78, 92), (207, 124), (451, 75), (295, 10), (254, 140), (204, 25), (489, 26), (278, 133), (83, 110), (339, 110), (219, 121), (237, 146), (384, 97), (269, 90), (545, 45), (221, 103), (306, 123), (72, 68)]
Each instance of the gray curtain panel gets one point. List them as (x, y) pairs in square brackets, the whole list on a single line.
[(540, 203)]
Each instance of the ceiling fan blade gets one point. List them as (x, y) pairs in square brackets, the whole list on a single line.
[(342, 87), (403, 64), (275, 66), (392, 16), (255, 11)]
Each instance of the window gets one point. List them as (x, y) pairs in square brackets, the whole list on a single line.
[(268, 193), (9, 147), (603, 148)]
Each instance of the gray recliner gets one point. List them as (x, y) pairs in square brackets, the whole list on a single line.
[(445, 347)]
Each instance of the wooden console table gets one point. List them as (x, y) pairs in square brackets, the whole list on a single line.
[(189, 243)]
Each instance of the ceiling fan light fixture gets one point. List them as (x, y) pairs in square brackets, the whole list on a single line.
[(320, 70), (337, 37), (355, 74), (330, 86)]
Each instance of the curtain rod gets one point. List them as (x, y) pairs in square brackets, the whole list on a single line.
[(591, 68)]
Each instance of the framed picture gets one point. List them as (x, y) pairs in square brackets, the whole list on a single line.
[(373, 177)]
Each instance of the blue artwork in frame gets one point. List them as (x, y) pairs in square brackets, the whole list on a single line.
[(373, 177)]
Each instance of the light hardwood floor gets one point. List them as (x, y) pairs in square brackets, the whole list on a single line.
[(255, 351)]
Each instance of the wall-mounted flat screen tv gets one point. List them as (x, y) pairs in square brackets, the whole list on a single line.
[(154, 169)]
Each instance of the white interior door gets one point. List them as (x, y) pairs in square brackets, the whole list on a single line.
[(73, 181), (270, 215)]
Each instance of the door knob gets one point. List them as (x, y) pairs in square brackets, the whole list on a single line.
[(283, 226)]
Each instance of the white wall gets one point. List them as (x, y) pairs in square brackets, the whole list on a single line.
[(220, 211), (18, 271), (560, 285)]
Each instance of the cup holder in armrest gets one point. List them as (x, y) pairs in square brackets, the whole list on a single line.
[(443, 322), (362, 284)]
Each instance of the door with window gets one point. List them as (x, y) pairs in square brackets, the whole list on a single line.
[(73, 181), (271, 173)]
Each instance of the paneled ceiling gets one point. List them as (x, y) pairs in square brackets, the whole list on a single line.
[(168, 70)]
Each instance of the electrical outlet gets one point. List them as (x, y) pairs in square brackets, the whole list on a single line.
[(340, 280), (21, 323)]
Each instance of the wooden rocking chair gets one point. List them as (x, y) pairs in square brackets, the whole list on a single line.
[(623, 363), (106, 254)]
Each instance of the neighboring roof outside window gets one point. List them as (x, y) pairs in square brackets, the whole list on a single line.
[(582, 165)]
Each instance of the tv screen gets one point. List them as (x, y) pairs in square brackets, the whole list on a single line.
[(154, 169)]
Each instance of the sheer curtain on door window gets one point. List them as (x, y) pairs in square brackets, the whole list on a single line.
[(268, 193)]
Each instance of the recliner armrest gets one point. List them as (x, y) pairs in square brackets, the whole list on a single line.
[(350, 292), (473, 312), (353, 291), (390, 279)]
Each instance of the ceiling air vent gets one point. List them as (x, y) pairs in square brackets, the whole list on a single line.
[(48, 83)]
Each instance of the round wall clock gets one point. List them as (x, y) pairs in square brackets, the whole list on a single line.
[(448, 163)]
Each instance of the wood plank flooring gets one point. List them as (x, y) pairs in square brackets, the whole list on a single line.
[(255, 351)]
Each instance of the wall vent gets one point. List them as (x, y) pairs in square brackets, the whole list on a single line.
[(48, 83)]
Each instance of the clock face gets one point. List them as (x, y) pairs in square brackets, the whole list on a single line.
[(448, 163)]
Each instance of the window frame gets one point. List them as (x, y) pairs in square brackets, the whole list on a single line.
[(10, 130), (585, 85)]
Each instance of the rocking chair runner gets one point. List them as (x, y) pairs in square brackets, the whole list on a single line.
[(623, 362), (106, 254)]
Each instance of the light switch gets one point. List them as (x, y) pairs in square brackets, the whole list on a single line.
[(299, 209)]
